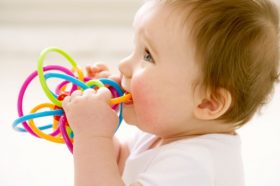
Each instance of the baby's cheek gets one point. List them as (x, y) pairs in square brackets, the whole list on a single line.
[(145, 101)]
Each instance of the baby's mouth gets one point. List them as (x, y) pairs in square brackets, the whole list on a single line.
[(128, 98)]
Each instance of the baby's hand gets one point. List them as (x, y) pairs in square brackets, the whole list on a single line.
[(97, 70), (100, 70), (89, 113)]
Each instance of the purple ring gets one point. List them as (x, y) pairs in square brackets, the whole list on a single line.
[(58, 88), (25, 85), (62, 126)]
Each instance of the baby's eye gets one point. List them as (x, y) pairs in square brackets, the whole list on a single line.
[(148, 57)]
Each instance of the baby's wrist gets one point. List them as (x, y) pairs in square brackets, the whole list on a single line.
[(91, 143), (87, 138)]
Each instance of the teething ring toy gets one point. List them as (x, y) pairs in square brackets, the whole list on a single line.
[(61, 133)]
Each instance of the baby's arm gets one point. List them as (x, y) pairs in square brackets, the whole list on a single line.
[(122, 152), (93, 122), (99, 70), (98, 156)]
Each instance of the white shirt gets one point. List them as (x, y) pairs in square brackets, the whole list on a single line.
[(206, 160)]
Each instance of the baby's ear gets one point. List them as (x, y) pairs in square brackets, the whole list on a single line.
[(210, 106)]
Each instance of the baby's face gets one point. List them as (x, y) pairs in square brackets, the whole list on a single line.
[(159, 73)]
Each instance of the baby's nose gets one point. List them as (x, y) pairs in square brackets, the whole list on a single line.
[(125, 67)]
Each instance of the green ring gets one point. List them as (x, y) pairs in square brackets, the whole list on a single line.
[(41, 72), (95, 82)]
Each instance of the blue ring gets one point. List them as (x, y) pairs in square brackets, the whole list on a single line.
[(82, 85), (58, 112), (117, 87), (112, 83), (68, 78)]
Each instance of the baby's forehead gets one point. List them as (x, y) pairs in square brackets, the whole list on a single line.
[(143, 14), (154, 14), (163, 24)]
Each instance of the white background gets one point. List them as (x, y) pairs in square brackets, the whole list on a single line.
[(90, 30)]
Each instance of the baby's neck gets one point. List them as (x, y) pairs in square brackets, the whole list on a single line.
[(202, 128)]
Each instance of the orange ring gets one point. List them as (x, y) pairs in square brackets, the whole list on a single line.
[(37, 131), (121, 99)]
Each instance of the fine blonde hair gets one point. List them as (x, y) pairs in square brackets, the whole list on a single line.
[(237, 47)]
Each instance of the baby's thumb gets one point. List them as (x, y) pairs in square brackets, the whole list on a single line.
[(116, 78)]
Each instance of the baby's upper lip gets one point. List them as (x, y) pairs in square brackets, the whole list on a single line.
[(125, 90), (126, 93)]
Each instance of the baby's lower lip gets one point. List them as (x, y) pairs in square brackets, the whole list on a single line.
[(129, 102)]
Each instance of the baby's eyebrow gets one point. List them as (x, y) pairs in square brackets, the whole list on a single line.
[(149, 41), (141, 30)]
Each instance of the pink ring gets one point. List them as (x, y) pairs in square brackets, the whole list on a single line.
[(62, 126), (25, 85)]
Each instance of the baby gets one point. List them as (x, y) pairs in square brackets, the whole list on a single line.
[(199, 70)]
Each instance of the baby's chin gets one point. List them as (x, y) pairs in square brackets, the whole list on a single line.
[(130, 121), (129, 117)]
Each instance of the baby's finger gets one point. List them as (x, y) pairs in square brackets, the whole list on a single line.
[(97, 67), (103, 74), (102, 66), (104, 93), (88, 67), (91, 70), (94, 71), (75, 94), (116, 78), (65, 102), (89, 92)]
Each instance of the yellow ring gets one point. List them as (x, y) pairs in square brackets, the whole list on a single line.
[(37, 131), (79, 71)]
